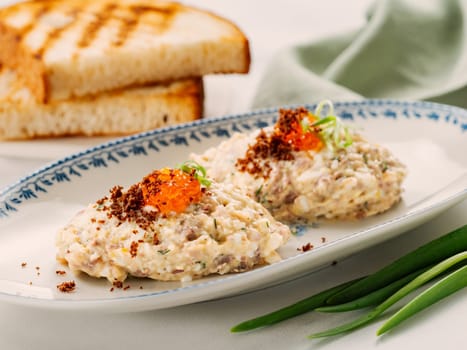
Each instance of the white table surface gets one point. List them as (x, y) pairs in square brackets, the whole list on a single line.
[(270, 25)]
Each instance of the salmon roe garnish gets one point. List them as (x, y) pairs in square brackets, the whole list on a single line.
[(170, 190), (299, 139)]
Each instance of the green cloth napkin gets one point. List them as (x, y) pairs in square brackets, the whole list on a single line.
[(408, 49)]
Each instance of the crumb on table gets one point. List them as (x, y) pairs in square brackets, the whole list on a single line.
[(306, 247), (66, 287)]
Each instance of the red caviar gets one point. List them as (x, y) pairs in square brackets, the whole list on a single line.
[(170, 190), (294, 134)]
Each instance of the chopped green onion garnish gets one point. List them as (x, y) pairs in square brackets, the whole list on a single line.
[(334, 132), (197, 170)]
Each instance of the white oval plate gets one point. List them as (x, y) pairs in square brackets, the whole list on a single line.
[(429, 138)]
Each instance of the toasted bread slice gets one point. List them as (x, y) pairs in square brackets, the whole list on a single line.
[(64, 49), (119, 112)]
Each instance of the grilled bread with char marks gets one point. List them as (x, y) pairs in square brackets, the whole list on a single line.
[(71, 48), (118, 112)]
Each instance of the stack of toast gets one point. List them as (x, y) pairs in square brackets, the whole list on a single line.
[(109, 67)]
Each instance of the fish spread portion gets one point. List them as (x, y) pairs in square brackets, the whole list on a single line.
[(169, 227), (300, 176)]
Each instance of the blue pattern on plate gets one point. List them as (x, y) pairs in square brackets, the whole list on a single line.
[(65, 170)]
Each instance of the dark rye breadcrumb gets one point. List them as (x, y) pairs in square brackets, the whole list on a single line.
[(67, 286), (126, 206)]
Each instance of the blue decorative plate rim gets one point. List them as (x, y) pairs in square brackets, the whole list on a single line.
[(31, 186)]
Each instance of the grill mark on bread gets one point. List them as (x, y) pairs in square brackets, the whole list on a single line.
[(136, 12), (127, 26), (55, 34), (128, 23), (37, 14), (91, 30)]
